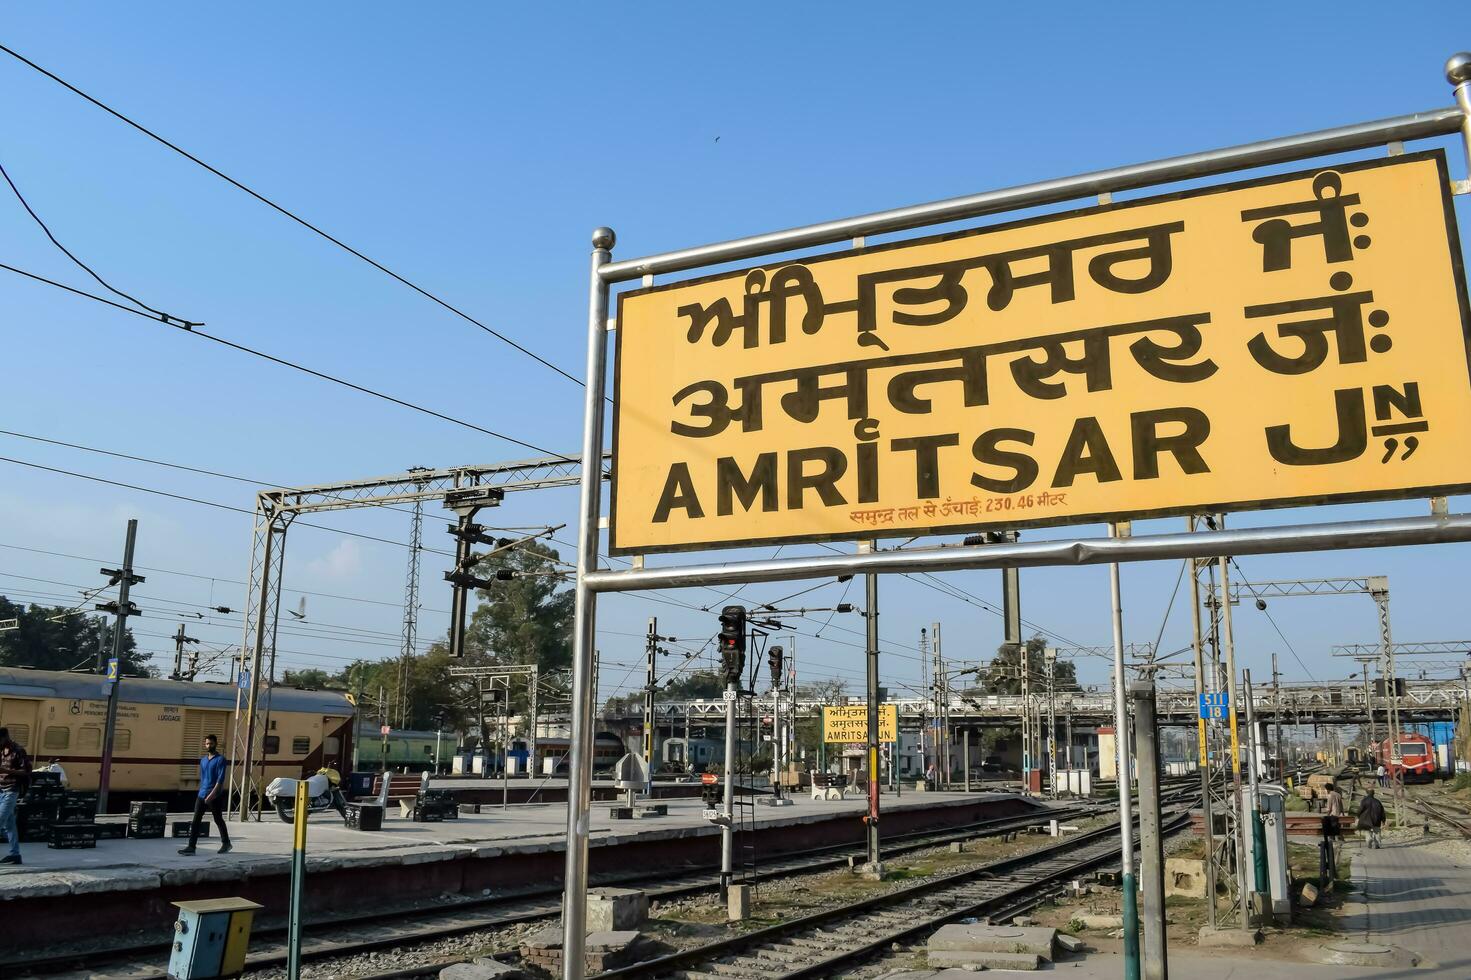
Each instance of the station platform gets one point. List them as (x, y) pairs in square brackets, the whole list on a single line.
[(123, 885), (1411, 902)]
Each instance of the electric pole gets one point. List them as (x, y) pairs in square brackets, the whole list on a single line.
[(1050, 657), (124, 579), (651, 650), (179, 640)]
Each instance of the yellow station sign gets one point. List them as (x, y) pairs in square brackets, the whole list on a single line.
[(849, 723), (1292, 339)]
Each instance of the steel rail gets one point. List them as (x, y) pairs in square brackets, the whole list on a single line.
[(1446, 121), (805, 862), (1382, 533), (684, 958)]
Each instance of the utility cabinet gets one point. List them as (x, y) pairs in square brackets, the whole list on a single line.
[(211, 938)]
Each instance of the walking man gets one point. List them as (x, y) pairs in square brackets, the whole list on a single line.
[(212, 794), (15, 768), (1380, 773), (1371, 817)]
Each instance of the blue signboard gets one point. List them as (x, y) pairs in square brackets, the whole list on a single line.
[(1215, 707), (244, 681), (112, 670)]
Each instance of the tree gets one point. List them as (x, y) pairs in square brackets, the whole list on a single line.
[(1003, 675), (56, 638), (310, 679), (526, 620)]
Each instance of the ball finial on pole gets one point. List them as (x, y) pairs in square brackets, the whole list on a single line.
[(603, 237), (1458, 68)]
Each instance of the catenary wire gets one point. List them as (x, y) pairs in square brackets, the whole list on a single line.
[(211, 503), (290, 214), (166, 317), (283, 362)]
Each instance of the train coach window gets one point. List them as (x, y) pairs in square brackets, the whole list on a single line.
[(273, 744), (57, 737), (331, 745), (301, 745), (89, 737), (122, 739)]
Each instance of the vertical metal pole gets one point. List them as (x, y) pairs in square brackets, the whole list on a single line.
[(1203, 744), (535, 716), (119, 631), (1229, 642), (966, 758), (1369, 706), (1258, 875), (1151, 840), (252, 691), (1379, 590), (924, 722), (1011, 621), (651, 647), (1281, 766), (942, 710), (871, 615), (1050, 657), (1121, 742), (1024, 664), (1458, 73), (298, 883), (506, 749), (357, 700), (727, 831), (579, 766)]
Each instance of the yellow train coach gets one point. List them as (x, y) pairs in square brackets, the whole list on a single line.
[(160, 725)]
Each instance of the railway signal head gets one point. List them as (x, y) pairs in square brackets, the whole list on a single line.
[(732, 642), (774, 661)]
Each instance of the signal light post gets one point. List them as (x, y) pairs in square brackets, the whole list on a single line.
[(871, 618), (732, 663)]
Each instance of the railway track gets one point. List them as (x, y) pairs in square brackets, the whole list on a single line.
[(1450, 814), (399, 928), (822, 943)]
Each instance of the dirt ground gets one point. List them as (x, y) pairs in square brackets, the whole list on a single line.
[(1186, 916)]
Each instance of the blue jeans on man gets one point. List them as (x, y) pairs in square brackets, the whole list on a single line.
[(9, 799)]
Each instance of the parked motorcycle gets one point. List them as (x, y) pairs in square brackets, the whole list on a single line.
[(324, 792)]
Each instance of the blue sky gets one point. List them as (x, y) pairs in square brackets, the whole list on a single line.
[(472, 148)]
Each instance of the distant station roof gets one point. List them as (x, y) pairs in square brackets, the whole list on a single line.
[(21, 682)]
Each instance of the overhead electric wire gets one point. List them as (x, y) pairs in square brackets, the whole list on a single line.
[(289, 214), (286, 363), (215, 578), (1256, 595), (209, 503), (248, 481)]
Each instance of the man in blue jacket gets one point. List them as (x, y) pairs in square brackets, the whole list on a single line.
[(212, 795)]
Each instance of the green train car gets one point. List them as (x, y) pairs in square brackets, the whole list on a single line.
[(407, 750)]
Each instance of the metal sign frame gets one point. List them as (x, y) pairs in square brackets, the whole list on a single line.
[(604, 274)]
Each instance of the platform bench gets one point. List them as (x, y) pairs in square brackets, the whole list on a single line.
[(400, 788)]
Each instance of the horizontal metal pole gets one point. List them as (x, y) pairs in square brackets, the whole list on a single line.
[(1420, 125), (1036, 554)]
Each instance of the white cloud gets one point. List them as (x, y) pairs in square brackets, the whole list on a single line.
[(343, 561)]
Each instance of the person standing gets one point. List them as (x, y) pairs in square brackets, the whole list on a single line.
[(1371, 817), (15, 769), (930, 777), (211, 796), (1381, 774)]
